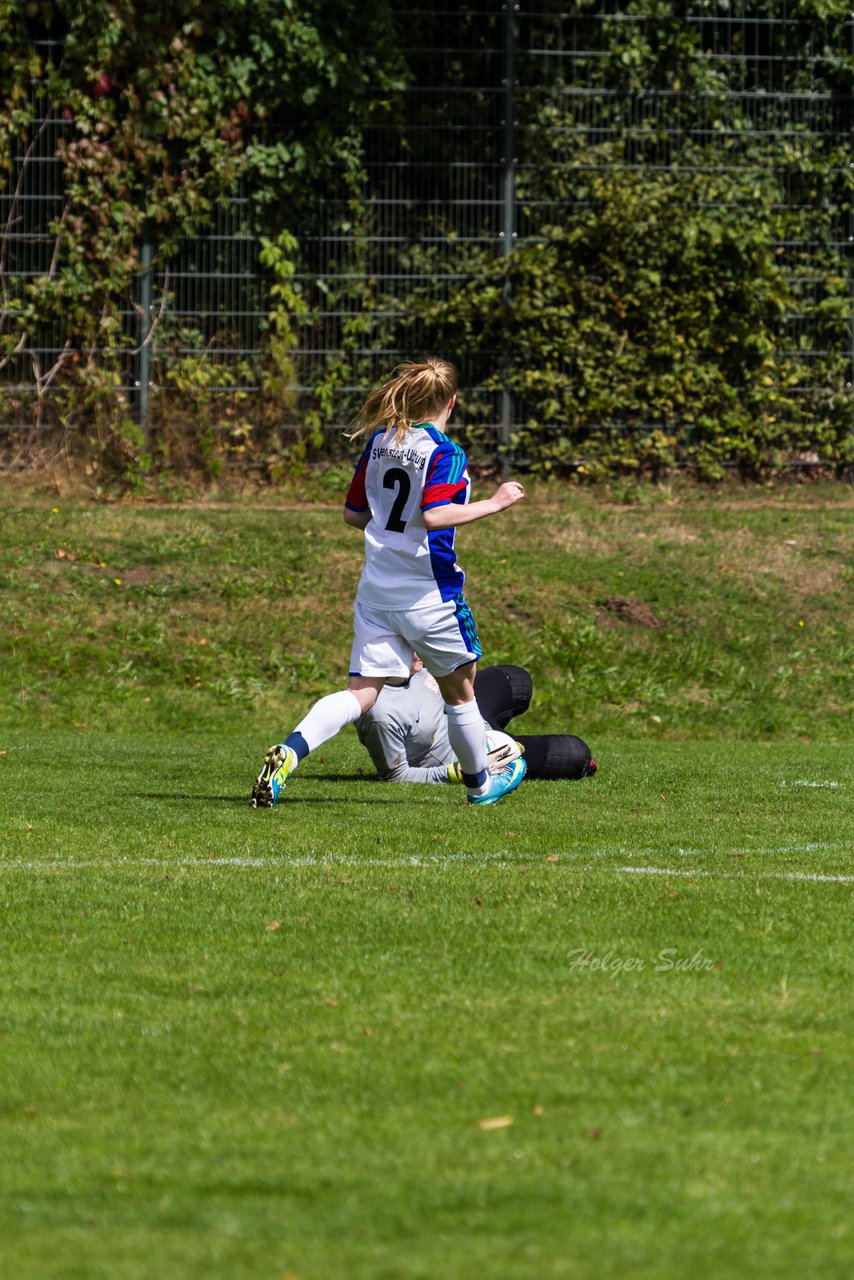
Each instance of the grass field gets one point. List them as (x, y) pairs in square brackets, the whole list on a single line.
[(602, 1030)]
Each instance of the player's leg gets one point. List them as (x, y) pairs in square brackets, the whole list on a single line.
[(449, 648), (377, 654), (505, 691), (556, 755), (502, 692), (447, 642), (331, 713), (467, 736), (465, 724), (325, 718)]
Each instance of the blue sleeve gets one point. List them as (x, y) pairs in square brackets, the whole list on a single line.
[(446, 480)]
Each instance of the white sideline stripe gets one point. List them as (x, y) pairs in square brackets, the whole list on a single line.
[(734, 875), (802, 782), (504, 857), (434, 860)]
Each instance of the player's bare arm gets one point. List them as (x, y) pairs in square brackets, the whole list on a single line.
[(451, 515), (358, 519)]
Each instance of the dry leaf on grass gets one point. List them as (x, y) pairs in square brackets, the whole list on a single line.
[(495, 1122)]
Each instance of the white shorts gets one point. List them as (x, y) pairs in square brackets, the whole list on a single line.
[(444, 636)]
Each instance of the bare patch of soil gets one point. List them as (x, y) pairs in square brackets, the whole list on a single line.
[(629, 609)]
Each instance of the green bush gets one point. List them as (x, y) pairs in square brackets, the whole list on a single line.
[(679, 292), (648, 329)]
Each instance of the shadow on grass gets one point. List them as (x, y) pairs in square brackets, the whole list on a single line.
[(186, 795), (388, 797), (373, 778)]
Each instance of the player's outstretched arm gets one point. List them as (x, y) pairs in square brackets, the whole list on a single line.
[(385, 741), (453, 514)]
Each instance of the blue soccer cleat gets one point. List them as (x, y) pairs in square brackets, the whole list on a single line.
[(279, 762), (501, 783)]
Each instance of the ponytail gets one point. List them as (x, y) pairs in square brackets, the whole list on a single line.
[(415, 392)]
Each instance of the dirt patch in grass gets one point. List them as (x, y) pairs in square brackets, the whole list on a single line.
[(628, 609)]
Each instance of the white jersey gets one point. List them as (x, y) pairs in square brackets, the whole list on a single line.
[(406, 732), (406, 566)]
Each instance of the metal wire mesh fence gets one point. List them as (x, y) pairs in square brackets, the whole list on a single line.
[(509, 112)]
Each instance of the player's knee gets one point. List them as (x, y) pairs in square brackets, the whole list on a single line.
[(365, 692)]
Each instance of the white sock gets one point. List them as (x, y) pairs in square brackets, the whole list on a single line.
[(467, 737), (327, 716)]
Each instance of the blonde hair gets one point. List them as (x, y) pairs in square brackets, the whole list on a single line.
[(416, 391)]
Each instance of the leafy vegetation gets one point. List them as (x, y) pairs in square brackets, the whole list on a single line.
[(650, 327), (163, 111), (679, 289)]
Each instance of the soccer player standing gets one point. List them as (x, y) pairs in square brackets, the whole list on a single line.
[(409, 493)]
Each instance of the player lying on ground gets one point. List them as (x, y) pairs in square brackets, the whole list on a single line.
[(409, 493), (406, 730)]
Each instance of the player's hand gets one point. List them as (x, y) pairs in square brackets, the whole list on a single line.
[(511, 491)]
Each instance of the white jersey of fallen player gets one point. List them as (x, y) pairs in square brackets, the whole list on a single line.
[(407, 566), (406, 734)]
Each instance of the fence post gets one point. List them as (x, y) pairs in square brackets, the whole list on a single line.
[(143, 365), (508, 205), (850, 220)]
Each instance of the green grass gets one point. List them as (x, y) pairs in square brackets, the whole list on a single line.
[(223, 616), (239, 1044)]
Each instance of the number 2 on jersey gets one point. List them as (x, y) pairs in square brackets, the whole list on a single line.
[(397, 477)]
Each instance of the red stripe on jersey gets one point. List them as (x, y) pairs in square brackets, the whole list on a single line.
[(357, 498), (435, 494)]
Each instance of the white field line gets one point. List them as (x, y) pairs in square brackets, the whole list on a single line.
[(735, 875), (803, 782), (432, 861), (411, 860)]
